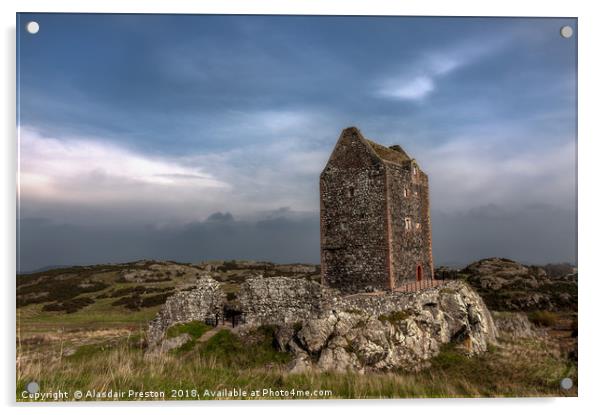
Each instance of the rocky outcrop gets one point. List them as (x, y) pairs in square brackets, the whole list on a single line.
[(204, 301), (157, 271), (174, 342), (513, 325), (362, 332), (506, 285), (389, 331)]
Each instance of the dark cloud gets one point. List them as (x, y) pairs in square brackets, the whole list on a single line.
[(279, 239), (538, 234), (220, 217)]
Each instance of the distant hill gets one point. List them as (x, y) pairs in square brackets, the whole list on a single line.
[(46, 268)]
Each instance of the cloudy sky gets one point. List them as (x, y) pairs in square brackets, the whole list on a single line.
[(202, 137)]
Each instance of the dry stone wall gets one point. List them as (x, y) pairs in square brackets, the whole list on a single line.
[(280, 300), (205, 300)]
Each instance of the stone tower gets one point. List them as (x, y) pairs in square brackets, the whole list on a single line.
[(375, 227)]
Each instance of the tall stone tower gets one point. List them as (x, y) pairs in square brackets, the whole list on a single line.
[(375, 227)]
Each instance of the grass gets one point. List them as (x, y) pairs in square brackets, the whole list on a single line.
[(195, 328), (100, 314), (523, 368), (231, 351)]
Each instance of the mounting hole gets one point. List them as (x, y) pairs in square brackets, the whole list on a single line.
[(33, 27), (33, 387), (566, 32), (566, 383)]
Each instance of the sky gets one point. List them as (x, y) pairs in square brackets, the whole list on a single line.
[(197, 137)]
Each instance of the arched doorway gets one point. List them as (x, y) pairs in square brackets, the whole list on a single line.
[(419, 272)]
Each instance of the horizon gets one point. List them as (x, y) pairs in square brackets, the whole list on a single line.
[(457, 266), (192, 137)]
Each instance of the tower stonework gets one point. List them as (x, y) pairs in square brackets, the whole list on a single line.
[(375, 227)]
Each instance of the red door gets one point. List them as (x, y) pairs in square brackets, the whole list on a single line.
[(419, 273)]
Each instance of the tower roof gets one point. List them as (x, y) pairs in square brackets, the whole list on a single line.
[(393, 154)]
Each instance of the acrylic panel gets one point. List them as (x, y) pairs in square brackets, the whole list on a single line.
[(295, 207)]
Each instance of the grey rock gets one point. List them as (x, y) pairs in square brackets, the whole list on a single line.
[(175, 342), (514, 325), (347, 334), (315, 333), (284, 334), (301, 363)]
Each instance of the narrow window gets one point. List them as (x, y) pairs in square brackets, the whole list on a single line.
[(343, 226), (405, 192), (350, 192), (417, 225), (408, 223), (414, 171)]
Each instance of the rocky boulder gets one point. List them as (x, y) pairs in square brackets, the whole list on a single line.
[(513, 325), (389, 331)]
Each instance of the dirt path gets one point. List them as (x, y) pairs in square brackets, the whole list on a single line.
[(209, 334)]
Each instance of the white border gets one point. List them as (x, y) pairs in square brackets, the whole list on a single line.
[(590, 154)]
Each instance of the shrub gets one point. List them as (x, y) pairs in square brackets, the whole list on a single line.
[(154, 300), (543, 318), (394, 316), (69, 306), (138, 289), (46, 290), (136, 301)]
